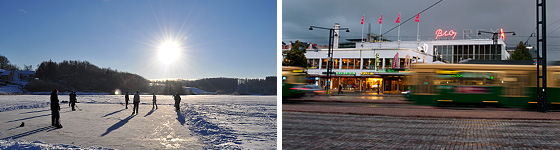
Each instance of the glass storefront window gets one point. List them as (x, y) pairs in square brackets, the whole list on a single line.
[(357, 64), (313, 63), (388, 63), (336, 63), (324, 64), (456, 53), (369, 63), (344, 63), (351, 63)]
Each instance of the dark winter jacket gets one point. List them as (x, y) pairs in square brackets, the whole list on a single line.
[(54, 102)]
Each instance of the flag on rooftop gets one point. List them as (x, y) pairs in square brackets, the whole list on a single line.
[(363, 19)]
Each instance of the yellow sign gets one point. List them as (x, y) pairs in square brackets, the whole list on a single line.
[(367, 73), (447, 71)]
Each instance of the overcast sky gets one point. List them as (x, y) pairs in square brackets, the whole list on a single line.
[(458, 15)]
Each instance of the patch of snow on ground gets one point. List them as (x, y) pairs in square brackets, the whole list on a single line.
[(37, 145), (233, 122)]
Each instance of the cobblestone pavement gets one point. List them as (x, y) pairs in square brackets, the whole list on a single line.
[(302, 130)]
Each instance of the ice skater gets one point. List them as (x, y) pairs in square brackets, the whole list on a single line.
[(136, 102), (154, 101), (126, 100), (73, 100), (55, 109), (177, 99)]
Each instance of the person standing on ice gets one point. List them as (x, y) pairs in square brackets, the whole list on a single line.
[(177, 98), (126, 100), (73, 100), (136, 102), (55, 109), (154, 101)]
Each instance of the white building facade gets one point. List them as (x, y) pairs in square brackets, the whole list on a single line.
[(355, 68)]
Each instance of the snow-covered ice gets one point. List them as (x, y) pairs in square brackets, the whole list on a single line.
[(247, 122), (205, 122), (37, 145)]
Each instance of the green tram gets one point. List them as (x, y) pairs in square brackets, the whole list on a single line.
[(293, 78), (503, 85)]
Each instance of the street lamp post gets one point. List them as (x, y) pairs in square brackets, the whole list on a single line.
[(330, 51), (495, 41)]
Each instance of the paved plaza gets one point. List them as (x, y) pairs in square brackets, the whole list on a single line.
[(301, 130)]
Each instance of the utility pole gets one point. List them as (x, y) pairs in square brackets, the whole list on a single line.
[(332, 41), (541, 61)]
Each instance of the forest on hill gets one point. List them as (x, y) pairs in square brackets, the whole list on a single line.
[(83, 76)]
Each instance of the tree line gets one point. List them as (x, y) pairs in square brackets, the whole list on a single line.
[(83, 76)]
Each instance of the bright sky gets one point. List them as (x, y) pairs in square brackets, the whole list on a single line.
[(202, 39)]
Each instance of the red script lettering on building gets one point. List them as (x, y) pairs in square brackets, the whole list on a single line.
[(440, 33)]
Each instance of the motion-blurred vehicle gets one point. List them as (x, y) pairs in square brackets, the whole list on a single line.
[(406, 94), (312, 90), (489, 84), (293, 80)]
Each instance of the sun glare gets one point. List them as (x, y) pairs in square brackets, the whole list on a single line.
[(169, 51)]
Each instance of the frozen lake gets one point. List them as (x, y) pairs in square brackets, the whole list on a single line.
[(217, 121)]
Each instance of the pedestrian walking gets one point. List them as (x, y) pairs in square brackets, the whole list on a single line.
[(154, 101), (177, 99), (73, 100), (378, 88), (126, 100), (340, 89), (55, 109), (136, 102)]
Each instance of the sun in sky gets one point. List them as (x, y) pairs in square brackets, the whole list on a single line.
[(169, 52)]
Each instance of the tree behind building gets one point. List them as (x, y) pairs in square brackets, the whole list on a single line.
[(521, 53), (295, 56)]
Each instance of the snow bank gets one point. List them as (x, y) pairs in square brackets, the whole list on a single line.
[(233, 122), (38, 145)]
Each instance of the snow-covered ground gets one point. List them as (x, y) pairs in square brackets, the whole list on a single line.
[(205, 122), (246, 122)]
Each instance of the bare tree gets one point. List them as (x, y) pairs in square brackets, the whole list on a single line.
[(27, 67)]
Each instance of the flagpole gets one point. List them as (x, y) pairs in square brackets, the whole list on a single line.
[(418, 34), (399, 36), (399, 33), (380, 26), (363, 29), (418, 30)]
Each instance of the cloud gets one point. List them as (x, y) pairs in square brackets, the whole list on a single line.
[(23, 10)]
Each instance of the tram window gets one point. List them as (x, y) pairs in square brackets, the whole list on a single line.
[(468, 78), (556, 78)]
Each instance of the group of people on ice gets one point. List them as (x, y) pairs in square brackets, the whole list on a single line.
[(55, 107)]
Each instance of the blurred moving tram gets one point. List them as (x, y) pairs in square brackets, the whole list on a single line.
[(503, 85), (293, 80)]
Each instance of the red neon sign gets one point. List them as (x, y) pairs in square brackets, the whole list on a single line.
[(440, 33), (502, 35)]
